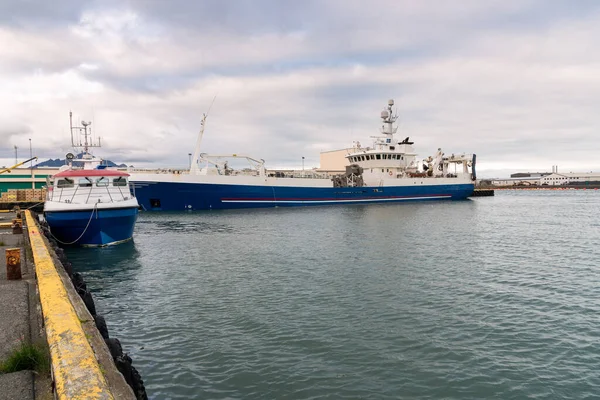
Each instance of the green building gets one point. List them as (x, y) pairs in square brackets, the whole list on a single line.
[(25, 178)]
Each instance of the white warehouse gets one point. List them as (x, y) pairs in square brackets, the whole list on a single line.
[(570, 178)]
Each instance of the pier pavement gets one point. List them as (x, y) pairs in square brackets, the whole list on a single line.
[(19, 321), (43, 308)]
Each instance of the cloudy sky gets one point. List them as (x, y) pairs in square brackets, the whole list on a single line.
[(517, 82)]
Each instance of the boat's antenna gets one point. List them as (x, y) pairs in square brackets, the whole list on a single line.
[(84, 130), (194, 166), (71, 127), (211, 104)]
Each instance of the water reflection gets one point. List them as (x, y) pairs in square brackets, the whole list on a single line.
[(124, 255)]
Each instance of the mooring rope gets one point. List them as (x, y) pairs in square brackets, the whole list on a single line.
[(84, 231)]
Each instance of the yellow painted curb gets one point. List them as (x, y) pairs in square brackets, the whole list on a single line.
[(77, 374)]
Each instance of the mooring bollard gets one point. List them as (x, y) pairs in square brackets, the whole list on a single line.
[(13, 264), (17, 226)]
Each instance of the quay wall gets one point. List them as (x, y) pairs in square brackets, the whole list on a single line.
[(549, 187), (85, 362)]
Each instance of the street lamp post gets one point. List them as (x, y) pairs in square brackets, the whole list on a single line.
[(31, 165), (303, 166), (190, 157)]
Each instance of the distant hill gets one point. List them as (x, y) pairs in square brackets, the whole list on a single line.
[(59, 163)]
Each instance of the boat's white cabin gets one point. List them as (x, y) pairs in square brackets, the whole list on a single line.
[(87, 186)]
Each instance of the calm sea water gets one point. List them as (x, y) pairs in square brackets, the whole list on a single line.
[(486, 298)]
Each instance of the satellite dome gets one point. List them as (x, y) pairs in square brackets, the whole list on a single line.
[(385, 114), (391, 102)]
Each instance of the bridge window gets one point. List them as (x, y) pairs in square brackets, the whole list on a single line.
[(65, 183), (378, 156), (120, 181), (102, 182), (85, 182)]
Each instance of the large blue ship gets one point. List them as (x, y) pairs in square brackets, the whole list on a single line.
[(387, 171)]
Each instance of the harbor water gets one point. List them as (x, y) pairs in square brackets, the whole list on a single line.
[(494, 297)]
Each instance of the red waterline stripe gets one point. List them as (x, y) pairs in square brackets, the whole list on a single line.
[(332, 198)]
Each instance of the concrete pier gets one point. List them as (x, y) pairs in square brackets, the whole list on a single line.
[(480, 192), (44, 308), (8, 206), (20, 320)]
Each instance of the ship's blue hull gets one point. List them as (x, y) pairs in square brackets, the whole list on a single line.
[(105, 227), (169, 196)]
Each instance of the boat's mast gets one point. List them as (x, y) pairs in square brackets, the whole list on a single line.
[(196, 154), (85, 135), (71, 127), (389, 118), (83, 130)]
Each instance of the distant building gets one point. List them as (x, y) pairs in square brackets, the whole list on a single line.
[(25, 178), (571, 178), (520, 181), (549, 179), (529, 174), (334, 161)]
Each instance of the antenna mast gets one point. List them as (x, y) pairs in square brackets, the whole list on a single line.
[(84, 130), (196, 156)]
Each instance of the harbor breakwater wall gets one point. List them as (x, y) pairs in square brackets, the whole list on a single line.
[(86, 361)]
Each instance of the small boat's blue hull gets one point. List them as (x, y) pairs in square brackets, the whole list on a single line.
[(105, 227), (169, 196)]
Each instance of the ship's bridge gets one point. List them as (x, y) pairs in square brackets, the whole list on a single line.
[(387, 156)]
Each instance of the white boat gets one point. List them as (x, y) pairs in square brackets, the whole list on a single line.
[(388, 171), (90, 205)]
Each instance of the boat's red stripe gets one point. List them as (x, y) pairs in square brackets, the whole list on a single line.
[(331, 198), (89, 172)]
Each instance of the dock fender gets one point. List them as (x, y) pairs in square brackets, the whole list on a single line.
[(473, 172), (101, 326)]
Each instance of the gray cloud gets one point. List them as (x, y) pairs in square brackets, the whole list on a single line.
[(515, 82), (41, 14)]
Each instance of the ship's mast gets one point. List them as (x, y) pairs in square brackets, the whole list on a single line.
[(196, 156), (84, 131), (388, 129), (389, 118)]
